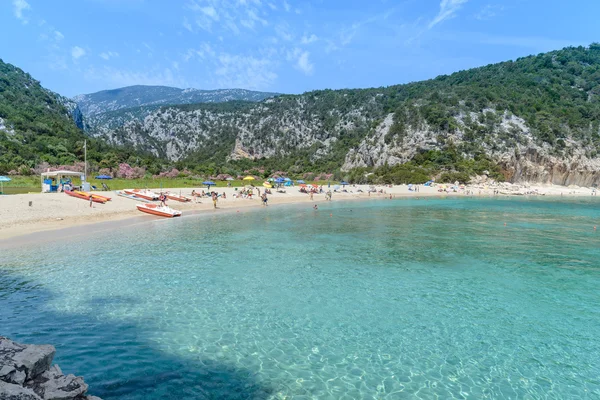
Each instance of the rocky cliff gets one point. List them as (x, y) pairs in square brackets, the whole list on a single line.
[(27, 373), (537, 117), (509, 142)]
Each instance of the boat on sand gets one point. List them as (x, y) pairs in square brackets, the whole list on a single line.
[(177, 197), (161, 211), (81, 196), (131, 196), (95, 196), (142, 193)]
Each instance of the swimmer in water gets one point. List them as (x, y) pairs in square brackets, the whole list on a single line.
[(316, 207)]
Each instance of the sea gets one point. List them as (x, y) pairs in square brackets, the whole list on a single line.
[(449, 298)]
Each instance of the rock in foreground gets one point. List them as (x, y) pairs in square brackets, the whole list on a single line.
[(27, 373)]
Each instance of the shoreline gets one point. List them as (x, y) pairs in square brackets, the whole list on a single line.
[(59, 212)]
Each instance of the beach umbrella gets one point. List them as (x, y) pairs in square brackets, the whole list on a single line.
[(208, 184), (300, 181), (336, 187), (230, 179), (287, 179), (2, 180), (104, 177), (267, 185), (249, 178), (279, 180), (271, 179), (344, 183)]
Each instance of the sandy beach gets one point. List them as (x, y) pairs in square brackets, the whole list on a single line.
[(24, 214)]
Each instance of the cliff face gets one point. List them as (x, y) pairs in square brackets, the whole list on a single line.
[(275, 127), (508, 142)]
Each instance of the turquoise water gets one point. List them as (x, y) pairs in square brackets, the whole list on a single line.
[(386, 299)]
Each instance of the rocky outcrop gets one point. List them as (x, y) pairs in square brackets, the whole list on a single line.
[(27, 373), (508, 142)]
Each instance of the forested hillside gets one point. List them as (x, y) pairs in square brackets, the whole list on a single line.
[(536, 118), (38, 126)]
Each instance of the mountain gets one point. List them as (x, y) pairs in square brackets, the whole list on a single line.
[(136, 96), (39, 127), (534, 119)]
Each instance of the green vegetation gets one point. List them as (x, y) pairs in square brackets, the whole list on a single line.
[(448, 165), (556, 93), (25, 184), (38, 129)]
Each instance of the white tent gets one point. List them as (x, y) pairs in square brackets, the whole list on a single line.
[(57, 175)]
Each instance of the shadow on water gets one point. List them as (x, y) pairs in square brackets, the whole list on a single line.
[(115, 357)]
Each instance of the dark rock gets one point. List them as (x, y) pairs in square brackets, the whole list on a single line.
[(53, 385), (10, 391), (31, 359), (26, 374)]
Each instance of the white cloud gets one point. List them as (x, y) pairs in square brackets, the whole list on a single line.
[(58, 36), (20, 6), (286, 6), (210, 11), (248, 72), (309, 39), (283, 33), (448, 9), (301, 60), (304, 63), (77, 52), (107, 55), (229, 15), (205, 16), (204, 51)]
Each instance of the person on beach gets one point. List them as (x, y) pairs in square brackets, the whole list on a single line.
[(265, 199), (214, 199), (162, 199), (91, 201), (311, 195)]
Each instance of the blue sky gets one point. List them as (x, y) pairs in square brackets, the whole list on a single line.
[(83, 46)]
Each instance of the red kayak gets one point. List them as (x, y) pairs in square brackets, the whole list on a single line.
[(80, 196)]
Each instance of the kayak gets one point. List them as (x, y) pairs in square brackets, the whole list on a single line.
[(96, 196), (80, 196)]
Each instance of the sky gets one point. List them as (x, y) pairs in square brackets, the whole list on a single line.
[(286, 46)]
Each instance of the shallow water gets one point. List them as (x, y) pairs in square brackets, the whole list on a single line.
[(376, 299)]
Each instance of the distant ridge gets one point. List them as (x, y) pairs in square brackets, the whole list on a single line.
[(141, 95)]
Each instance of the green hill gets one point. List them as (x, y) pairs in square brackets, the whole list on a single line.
[(37, 125)]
